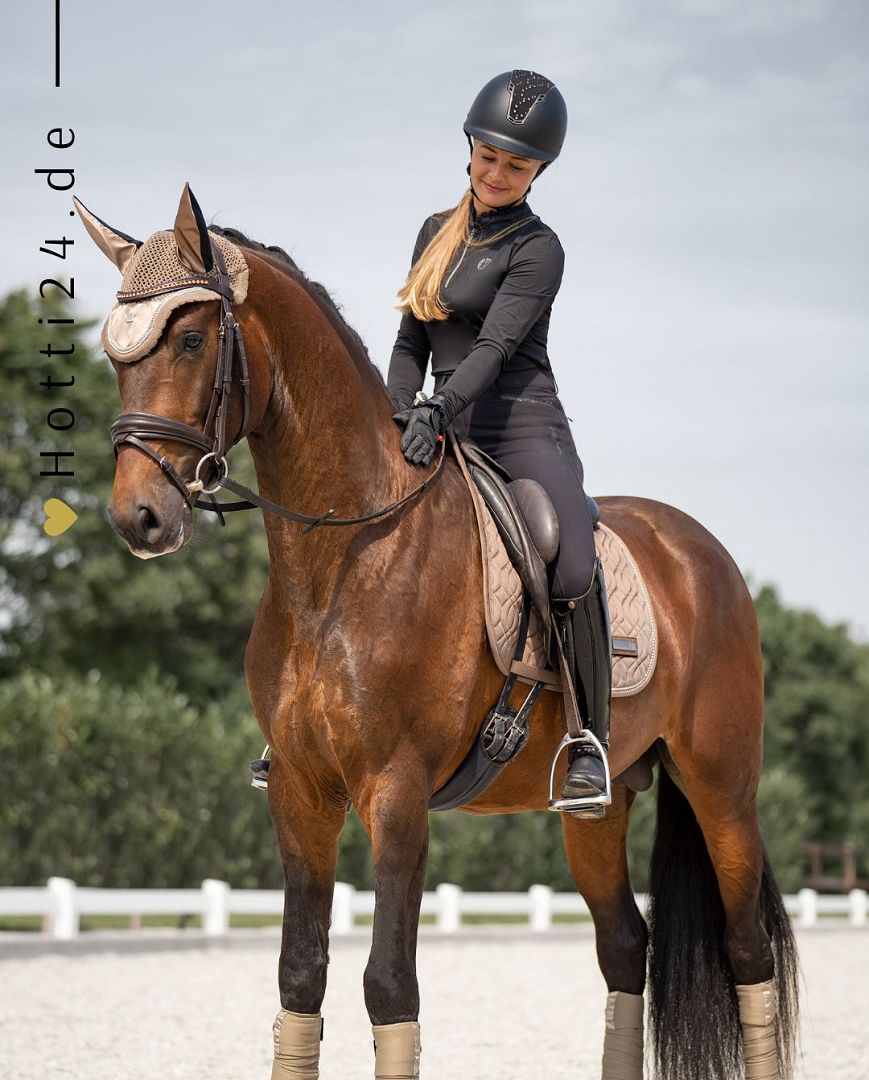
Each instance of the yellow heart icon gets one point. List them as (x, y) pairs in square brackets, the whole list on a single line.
[(58, 516)]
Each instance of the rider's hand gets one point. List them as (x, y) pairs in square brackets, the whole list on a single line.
[(424, 426), (403, 416)]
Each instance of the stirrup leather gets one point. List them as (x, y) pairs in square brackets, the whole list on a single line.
[(591, 806)]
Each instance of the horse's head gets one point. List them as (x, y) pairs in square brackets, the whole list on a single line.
[(182, 372)]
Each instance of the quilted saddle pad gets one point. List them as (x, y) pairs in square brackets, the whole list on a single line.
[(630, 609)]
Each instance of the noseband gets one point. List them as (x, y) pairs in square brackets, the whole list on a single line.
[(136, 428)]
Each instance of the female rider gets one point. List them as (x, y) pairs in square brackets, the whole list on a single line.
[(477, 300)]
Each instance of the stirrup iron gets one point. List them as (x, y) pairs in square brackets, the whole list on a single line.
[(260, 770), (591, 806)]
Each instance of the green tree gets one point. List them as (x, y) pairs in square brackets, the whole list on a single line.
[(498, 853), (128, 786), (817, 720)]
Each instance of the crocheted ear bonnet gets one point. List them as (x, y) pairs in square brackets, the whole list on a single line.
[(171, 268)]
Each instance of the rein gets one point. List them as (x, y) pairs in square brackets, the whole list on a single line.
[(136, 428)]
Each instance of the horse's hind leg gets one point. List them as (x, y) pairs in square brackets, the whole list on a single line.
[(395, 813), (307, 821), (758, 944), (598, 863)]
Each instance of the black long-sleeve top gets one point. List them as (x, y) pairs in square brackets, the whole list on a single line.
[(499, 297)]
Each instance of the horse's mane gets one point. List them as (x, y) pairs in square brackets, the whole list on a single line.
[(318, 291)]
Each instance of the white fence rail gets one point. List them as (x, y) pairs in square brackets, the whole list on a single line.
[(61, 904)]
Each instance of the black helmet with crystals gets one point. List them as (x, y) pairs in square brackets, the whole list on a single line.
[(521, 112)]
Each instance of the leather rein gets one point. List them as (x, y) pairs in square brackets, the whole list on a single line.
[(136, 428)]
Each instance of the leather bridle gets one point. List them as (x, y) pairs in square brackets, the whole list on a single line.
[(136, 428)]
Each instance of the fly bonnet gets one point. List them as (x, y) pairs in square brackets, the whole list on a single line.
[(160, 275)]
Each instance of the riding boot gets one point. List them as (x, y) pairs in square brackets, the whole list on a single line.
[(586, 630)]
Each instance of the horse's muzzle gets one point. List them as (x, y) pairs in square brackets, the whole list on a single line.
[(150, 529)]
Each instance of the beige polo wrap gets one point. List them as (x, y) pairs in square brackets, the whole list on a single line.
[(397, 1050), (297, 1046), (757, 1012), (623, 1038)]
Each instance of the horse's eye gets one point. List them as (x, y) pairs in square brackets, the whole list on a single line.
[(192, 340)]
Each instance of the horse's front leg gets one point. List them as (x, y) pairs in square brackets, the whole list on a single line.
[(308, 818), (394, 811)]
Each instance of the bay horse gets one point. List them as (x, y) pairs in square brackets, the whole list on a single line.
[(370, 673)]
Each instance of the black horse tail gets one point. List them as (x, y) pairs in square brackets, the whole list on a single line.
[(694, 1016)]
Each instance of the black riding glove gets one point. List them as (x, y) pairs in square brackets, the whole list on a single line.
[(424, 426)]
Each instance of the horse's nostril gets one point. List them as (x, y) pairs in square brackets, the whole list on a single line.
[(147, 520)]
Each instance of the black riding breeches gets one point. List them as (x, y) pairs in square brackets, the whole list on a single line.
[(525, 429)]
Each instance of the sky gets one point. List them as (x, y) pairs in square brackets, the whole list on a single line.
[(711, 338)]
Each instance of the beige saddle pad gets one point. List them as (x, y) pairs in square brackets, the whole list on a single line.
[(630, 609)]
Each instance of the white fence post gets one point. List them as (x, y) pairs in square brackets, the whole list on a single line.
[(64, 918), (342, 908), (540, 897), (449, 917), (858, 904), (215, 917), (808, 899)]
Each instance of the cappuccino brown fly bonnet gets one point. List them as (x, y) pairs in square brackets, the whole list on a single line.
[(159, 276)]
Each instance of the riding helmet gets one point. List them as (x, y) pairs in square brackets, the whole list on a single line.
[(522, 112)]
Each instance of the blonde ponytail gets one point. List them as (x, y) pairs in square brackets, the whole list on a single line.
[(420, 294)]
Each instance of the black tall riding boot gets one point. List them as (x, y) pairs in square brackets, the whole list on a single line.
[(586, 623)]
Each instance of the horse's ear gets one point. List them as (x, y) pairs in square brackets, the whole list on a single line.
[(191, 234), (119, 247)]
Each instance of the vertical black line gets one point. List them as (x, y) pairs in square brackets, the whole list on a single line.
[(57, 42)]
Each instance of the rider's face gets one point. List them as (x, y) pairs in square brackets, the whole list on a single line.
[(499, 177)]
